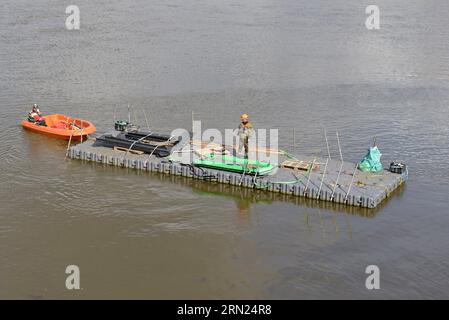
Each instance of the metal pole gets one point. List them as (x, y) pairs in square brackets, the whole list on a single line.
[(243, 175), (322, 179), (158, 146), (294, 140), (336, 182), (341, 166), (82, 130), (132, 145), (310, 174), (129, 115), (70, 139), (135, 115), (352, 181), (254, 180), (193, 119), (339, 147), (327, 144), (146, 119)]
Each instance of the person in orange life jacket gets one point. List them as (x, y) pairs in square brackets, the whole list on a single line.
[(246, 131), (35, 116)]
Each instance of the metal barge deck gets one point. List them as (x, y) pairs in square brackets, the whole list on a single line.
[(334, 182)]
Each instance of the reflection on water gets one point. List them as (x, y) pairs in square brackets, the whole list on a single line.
[(246, 197)]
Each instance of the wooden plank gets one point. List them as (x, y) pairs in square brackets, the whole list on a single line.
[(298, 165), (138, 152), (217, 146)]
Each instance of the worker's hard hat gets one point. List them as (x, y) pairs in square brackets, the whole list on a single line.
[(244, 116)]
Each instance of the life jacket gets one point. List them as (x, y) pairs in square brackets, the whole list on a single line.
[(34, 116)]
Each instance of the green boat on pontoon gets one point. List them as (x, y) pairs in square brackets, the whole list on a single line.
[(235, 164)]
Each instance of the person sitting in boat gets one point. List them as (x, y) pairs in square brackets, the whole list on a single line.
[(246, 131), (35, 116)]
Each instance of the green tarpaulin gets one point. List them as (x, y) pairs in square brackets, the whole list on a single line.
[(371, 162), (234, 164)]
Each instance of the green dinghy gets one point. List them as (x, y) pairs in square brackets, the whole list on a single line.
[(234, 164)]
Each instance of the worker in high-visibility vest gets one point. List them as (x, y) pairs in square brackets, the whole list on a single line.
[(246, 131)]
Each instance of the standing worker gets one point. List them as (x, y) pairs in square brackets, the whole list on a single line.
[(246, 131)]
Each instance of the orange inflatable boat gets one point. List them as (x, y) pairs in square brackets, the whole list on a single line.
[(61, 127)]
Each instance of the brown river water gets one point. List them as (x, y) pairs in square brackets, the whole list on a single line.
[(307, 65)]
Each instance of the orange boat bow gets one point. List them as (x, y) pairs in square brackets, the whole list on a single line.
[(55, 130)]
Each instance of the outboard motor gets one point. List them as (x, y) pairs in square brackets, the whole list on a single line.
[(398, 167), (120, 125)]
